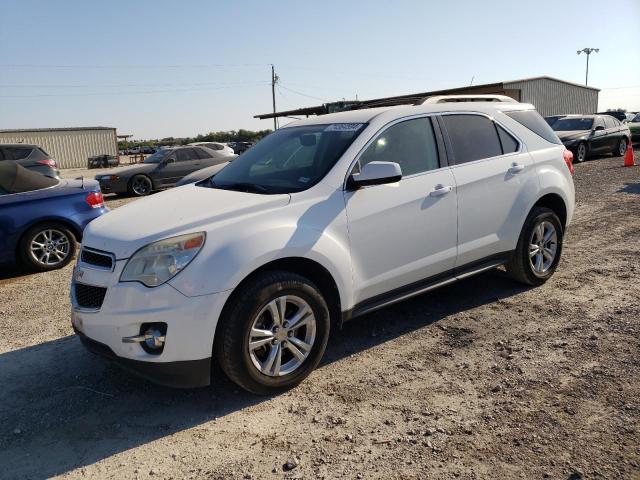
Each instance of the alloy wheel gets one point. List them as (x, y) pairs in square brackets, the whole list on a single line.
[(141, 186), (582, 152), (543, 247), (622, 147), (282, 336), (50, 247)]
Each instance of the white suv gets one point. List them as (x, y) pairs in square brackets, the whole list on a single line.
[(322, 221)]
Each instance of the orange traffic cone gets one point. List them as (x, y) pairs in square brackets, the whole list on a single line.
[(628, 157)]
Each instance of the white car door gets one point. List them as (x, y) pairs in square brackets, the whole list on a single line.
[(404, 232), (491, 173)]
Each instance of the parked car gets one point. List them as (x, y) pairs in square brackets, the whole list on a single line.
[(30, 156), (160, 170), (240, 147), (102, 161), (619, 114), (147, 150), (551, 119), (634, 128), (204, 173), (586, 135), (41, 218), (322, 221), (216, 146)]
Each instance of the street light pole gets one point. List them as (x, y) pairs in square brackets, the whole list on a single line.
[(588, 51)]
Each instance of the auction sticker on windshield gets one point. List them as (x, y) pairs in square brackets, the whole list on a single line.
[(343, 127)]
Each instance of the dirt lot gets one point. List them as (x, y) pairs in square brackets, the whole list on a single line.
[(483, 379)]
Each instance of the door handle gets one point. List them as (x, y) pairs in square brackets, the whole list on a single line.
[(516, 168), (440, 190)]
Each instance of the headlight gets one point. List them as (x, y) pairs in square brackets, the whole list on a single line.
[(160, 261)]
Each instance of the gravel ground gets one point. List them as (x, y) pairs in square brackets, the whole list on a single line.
[(482, 379)]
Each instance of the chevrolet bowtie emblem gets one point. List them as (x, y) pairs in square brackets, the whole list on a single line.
[(79, 274)]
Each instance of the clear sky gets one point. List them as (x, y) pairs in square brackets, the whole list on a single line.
[(160, 68)]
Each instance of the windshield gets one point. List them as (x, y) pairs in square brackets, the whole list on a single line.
[(156, 157), (289, 160), (567, 124)]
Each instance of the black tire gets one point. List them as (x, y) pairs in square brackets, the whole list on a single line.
[(520, 268), (30, 259), (231, 346), (140, 186), (621, 148), (580, 157)]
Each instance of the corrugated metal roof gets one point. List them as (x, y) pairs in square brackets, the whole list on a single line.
[(64, 129), (546, 77)]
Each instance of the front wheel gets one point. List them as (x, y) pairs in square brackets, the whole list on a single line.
[(273, 334), (621, 148), (539, 248)]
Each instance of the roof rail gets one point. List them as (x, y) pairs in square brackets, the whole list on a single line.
[(466, 98)]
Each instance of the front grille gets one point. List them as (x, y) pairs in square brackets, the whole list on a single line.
[(93, 257), (88, 296)]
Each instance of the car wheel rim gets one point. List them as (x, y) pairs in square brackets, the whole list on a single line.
[(141, 186), (582, 152), (50, 247), (543, 247), (282, 336), (623, 147)]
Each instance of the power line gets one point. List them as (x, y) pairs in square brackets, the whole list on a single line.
[(137, 65), (125, 85), (302, 94), (144, 92)]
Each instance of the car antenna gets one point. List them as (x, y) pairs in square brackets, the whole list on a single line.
[(82, 179)]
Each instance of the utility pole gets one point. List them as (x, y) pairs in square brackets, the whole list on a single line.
[(588, 51), (274, 80)]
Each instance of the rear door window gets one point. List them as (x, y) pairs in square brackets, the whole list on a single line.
[(473, 137), (17, 153), (609, 122), (534, 122)]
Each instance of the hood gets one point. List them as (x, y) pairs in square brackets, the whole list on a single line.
[(128, 171), (572, 134), (181, 210)]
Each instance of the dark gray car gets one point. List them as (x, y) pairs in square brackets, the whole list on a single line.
[(204, 173), (161, 170), (30, 156)]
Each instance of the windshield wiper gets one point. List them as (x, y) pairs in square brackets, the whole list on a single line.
[(241, 187)]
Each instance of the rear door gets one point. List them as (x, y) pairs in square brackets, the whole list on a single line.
[(491, 169)]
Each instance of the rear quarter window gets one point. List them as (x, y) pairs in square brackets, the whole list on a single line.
[(534, 122)]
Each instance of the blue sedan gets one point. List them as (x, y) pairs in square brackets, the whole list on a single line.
[(42, 218)]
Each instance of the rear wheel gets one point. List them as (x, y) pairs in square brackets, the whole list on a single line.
[(273, 334), (47, 246), (621, 148), (539, 248), (140, 185), (581, 152)]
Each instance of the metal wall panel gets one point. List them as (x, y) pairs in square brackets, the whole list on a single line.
[(551, 97), (70, 148)]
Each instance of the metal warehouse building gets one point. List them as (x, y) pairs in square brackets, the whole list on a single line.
[(70, 147), (550, 96)]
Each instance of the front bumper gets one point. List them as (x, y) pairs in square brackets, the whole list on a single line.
[(108, 186), (191, 323), (184, 374)]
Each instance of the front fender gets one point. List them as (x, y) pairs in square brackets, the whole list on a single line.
[(229, 262)]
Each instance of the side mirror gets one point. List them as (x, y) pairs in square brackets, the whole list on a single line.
[(598, 128), (375, 173)]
